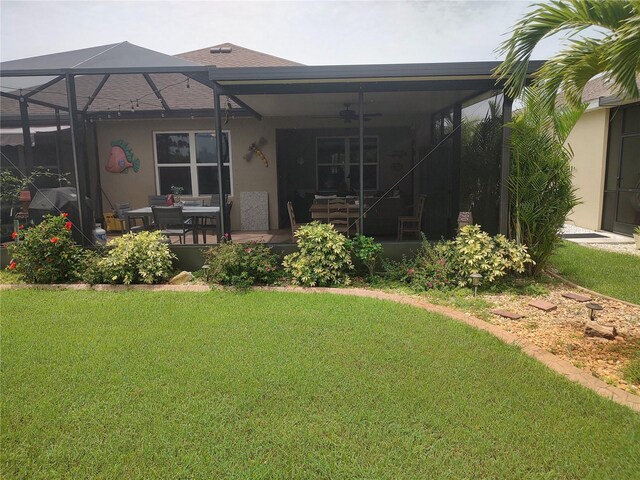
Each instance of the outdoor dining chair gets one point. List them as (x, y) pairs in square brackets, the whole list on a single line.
[(292, 219), (412, 224), (171, 222), (210, 223), (158, 200), (120, 209)]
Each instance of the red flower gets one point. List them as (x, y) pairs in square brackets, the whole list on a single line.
[(54, 240), (20, 227), (248, 250), (14, 235), (65, 215), (410, 271), (68, 225), (12, 265)]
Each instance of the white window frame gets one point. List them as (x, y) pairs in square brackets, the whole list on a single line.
[(193, 164), (347, 158)]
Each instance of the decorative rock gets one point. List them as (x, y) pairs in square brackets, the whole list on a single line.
[(576, 297), (181, 278), (543, 305), (507, 314), (602, 331)]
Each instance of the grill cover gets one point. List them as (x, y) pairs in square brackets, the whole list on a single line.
[(52, 201)]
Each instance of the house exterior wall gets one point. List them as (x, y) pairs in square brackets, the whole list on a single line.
[(247, 176), (588, 140)]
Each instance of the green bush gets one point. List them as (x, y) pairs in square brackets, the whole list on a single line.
[(135, 258), (365, 253), (474, 251), (322, 258), (242, 265), (46, 253)]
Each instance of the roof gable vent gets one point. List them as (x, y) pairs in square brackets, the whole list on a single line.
[(220, 50)]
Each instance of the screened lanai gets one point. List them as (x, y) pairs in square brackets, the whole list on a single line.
[(381, 137)]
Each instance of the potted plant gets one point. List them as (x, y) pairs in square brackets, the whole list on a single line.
[(636, 236), (177, 191)]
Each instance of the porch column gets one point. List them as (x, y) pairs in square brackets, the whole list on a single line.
[(361, 125), (81, 188), (507, 105), (26, 135), (223, 211)]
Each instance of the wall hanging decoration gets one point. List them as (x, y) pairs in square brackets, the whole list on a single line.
[(121, 158), (256, 149)]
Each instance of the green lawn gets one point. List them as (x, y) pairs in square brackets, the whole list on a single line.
[(610, 273), (274, 385)]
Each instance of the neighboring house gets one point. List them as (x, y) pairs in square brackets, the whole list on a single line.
[(304, 120), (606, 162)]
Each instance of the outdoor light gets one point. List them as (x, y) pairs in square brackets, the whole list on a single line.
[(475, 281), (593, 308)]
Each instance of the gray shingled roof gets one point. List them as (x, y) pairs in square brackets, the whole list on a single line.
[(122, 91)]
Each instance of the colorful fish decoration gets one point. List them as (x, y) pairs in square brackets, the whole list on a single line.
[(121, 158)]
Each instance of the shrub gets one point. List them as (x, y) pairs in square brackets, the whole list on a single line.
[(136, 258), (540, 183), (322, 258), (46, 253), (242, 265), (365, 253), (474, 251)]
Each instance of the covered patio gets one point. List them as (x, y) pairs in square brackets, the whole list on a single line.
[(377, 140)]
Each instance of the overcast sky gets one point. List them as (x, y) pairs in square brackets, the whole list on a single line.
[(309, 32)]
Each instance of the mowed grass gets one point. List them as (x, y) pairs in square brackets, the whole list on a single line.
[(610, 273), (283, 385)]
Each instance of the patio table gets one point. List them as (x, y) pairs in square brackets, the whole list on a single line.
[(192, 212)]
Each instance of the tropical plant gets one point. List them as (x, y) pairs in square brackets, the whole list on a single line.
[(480, 165), (46, 253), (365, 251), (615, 53), (136, 258), (322, 259), (541, 193), (242, 265), (475, 251)]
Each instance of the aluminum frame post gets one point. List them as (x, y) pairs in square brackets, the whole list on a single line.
[(218, 115), (73, 123), (361, 166)]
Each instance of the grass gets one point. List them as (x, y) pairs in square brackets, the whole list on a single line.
[(283, 385), (609, 273)]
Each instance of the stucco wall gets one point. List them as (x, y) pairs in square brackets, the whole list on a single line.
[(247, 176), (588, 140)]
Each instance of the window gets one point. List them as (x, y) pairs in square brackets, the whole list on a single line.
[(338, 163), (189, 160)]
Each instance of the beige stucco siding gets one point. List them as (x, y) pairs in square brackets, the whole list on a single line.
[(247, 176), (588, 140)]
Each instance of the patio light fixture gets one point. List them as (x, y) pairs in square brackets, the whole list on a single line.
[(475, 281), (593, 308), (206, 269)]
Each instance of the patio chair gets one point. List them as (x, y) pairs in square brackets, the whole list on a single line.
[(340, 213), (170, 221), (120, 208), (412, 224), (292, 219)]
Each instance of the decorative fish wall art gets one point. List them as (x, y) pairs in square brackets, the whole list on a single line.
[(121, 158)]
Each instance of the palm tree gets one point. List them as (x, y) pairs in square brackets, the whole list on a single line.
[(616, 54)]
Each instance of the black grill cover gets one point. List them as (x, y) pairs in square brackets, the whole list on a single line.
[(52, 201)]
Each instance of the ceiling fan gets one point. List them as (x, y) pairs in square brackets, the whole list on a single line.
[(349, 115)]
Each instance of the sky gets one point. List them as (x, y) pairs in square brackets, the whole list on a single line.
[(309, 32)]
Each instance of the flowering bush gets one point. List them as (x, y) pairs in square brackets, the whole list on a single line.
[(46, 253), (322, 258), (135, 258), (242, 265), (474, 251)]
